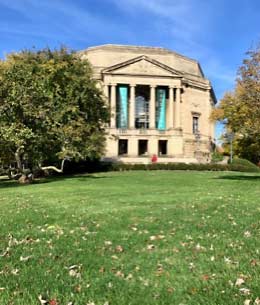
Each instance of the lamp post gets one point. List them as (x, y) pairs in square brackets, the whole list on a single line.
[(230, 137)]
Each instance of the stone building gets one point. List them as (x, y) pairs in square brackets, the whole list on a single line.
[(160, 104)]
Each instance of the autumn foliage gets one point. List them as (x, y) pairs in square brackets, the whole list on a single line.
[(240, 110)]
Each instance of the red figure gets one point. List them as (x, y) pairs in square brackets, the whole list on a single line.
[(154, 159)]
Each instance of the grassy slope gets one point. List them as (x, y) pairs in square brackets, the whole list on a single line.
[(203, 228)]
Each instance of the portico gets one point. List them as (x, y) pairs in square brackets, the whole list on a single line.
[(170, 112)]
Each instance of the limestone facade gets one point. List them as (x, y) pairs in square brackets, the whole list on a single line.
[(160, 104)]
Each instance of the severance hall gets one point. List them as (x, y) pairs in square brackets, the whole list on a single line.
[(160, 104)]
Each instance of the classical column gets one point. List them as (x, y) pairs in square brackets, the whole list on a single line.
[(132, 107), (113, 106), (171, 105), (178, 108), (152, 107)]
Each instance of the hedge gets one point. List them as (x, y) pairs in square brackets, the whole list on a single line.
[(179, 166), (239, 165)]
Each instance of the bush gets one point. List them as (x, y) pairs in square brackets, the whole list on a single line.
[(163, 166), (243, 165), (94, 166), (106, 166), (216, 157)]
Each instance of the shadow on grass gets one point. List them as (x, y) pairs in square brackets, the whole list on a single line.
[(7, 183), (240, 177)]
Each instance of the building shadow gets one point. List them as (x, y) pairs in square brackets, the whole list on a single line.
[(239, 177)]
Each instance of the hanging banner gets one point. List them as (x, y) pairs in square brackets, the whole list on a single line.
[(123, 107), (161, 112)]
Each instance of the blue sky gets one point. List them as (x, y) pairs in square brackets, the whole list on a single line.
[(215, 32)]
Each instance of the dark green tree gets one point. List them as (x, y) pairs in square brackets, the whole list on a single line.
[(51, 110)]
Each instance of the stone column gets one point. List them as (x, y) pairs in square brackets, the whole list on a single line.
[(171, 105), (113, 106), (152, 107), (178, 108), (132, 147), (132, 107)]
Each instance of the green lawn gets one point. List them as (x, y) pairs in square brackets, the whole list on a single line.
[(121, 238)]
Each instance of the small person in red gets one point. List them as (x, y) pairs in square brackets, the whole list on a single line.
[(154, 159)]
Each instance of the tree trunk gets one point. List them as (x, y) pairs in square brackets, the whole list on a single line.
[(25, 179), (18, 159)]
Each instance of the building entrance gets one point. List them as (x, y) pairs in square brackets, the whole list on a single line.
[(142, 98)]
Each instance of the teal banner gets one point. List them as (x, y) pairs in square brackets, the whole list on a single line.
[(161, 110), (123, 107)]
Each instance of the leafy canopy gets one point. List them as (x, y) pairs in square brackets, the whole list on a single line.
[(241, 109), (50, 108)]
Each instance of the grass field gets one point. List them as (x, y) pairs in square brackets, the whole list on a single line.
[(137, 238)]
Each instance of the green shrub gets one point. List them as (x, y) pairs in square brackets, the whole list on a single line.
[(178, 166), (97, 166), (244, 164), (216, 157)]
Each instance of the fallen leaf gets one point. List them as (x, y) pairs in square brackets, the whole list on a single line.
[(102, 270), (25, 259), (247, 234), (257, 301), (253, 262), (42, 300), (239, 281), (74, 273), (150, 247), (205, 277), (119, 274), (108, 243), (53, 302), (119, 249), (244, 291), (170, 289), (15, 271), (129, 277)]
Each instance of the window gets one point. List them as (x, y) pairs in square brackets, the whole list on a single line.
[(122, 147), (162, 147), (142, 107), (195, 124), (142, 147)]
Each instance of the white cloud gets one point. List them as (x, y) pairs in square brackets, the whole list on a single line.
[(185, 26)]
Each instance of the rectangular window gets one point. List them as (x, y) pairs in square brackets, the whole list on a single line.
[(195, 124), (122, 147), (162, 147), (142, 147)]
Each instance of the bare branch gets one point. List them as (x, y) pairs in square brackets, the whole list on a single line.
[(58, 170)]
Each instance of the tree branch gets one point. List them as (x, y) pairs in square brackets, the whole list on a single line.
[(58, 170)]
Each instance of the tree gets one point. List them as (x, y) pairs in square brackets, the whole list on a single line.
[(51, 110), (240, 109)]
